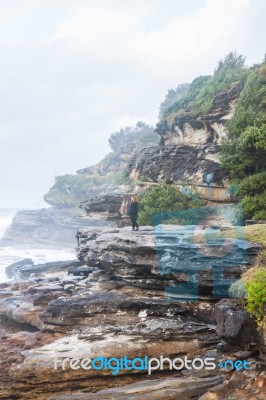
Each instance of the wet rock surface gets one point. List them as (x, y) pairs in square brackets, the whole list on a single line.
[(175, 388), (98, 318), (164, 257), (167, 163), (13, 269), (104, 207), (113, 303), (26, 268), (234, 323), (45, 228)]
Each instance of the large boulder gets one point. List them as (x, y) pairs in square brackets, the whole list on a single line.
[(13, 270), (25, 269), (234, 323), (106, 207)]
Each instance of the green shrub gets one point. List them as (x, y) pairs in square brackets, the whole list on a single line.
[(173, 96), (109, 158), (252, 193), (260, 215), (254, 206), (131, 138), (191, 101), (243, 150), (256, 295), (203, 89), (238, 290), (119, 178), (164, 198), (252, 185)]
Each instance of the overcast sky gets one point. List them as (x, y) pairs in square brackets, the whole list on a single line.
[(74, 71)]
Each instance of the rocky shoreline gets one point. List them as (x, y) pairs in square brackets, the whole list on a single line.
[(114, 302), (47, 228)]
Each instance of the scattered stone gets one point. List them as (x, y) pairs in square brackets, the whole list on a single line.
[(14, 270), (234, 323)]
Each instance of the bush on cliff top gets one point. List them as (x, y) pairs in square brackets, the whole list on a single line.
[(203, 89), (173, 95), (256, 295), (252, 185), (252, 288), (164, 198), (252, 233), (252, 285), (255, 206), (131, 138), (244, 148), (238, 290), (70, 190)]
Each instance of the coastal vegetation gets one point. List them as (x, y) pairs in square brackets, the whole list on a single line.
[(243, 151), (202, 90), (167, 200), (70, 190), (244, 148), (252, 286), (133, 138)]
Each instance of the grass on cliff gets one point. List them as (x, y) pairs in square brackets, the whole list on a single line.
[(244, 146), (70, 190), (202, 90), (252, 285), (252, 233), (254, 282)]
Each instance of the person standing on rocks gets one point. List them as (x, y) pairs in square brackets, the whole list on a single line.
[(133, 213)]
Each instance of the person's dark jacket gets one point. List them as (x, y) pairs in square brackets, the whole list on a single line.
[(133, 209)]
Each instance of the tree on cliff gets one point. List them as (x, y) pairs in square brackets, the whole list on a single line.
[(131, 138), (173, 95), (244, 148), (202, 90), (167, 199)]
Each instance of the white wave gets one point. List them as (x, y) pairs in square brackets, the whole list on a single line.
[(9, 255), (6, 215), (4, 224)]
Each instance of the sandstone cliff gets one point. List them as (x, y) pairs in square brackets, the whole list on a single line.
[(189, 149), (188, 155)]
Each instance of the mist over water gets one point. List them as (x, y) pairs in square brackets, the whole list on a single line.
[(11, 254)]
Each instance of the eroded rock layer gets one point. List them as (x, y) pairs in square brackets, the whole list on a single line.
[(114, 302)]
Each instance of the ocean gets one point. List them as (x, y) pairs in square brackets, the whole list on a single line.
[(11, 254)]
